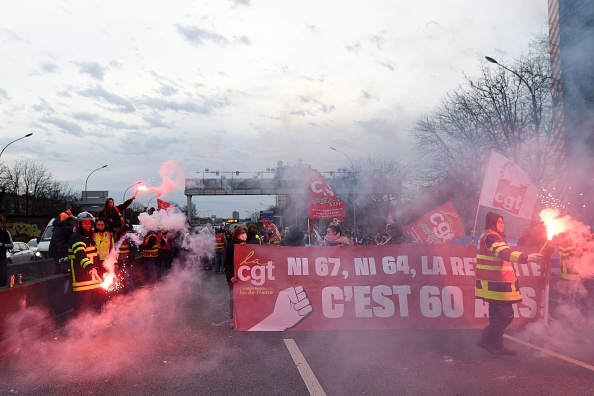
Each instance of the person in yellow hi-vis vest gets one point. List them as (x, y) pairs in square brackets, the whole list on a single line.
[(103, 240), (496, 282)]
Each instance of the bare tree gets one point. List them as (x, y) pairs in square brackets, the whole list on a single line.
[(507, 109), (382, 186), (30, 189)]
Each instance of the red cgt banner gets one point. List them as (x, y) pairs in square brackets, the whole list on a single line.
[(368, 287)]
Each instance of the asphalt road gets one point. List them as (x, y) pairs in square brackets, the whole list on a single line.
[(175, 339)]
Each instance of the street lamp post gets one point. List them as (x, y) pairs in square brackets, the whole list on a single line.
[(355, 199), (16, 140), (530, 89), (149, 202), (86, 181), (124, 197), (535, 115)]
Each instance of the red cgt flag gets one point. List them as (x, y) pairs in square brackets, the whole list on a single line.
[(162, 204), (321, 201), (441, 225)]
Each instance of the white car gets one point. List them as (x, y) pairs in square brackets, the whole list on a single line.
[(20, 253), (32, 243)]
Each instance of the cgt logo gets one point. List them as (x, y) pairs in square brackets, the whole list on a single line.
[(442, 229), (509, 197)]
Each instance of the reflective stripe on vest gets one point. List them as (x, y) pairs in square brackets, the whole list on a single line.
[(104, 242), (495, 278), (492, 268), (91, 253), (153, 251), (124, 248), (219, 241), (500, 291), (567, 272)]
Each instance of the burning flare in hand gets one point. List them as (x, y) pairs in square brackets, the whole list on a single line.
[(552, 222), (108, 280)]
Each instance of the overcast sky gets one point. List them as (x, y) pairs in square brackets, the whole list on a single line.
[(234, 85)]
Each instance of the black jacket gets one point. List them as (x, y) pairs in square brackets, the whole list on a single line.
[(6, 240), (62, 232), (116, 213)]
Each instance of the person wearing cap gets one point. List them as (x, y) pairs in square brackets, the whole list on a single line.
[(496, 282)]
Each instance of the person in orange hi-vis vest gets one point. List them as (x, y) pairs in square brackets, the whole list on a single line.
[(150, 252), (220, 250)]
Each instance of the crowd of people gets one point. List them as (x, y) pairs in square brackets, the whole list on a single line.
[(90, 241), (89, 246)]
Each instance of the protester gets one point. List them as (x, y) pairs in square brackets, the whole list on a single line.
[(252, 235), (396, 235), (186, 247), (150, 252), (496, 282), (533, 235), (378, 239), (334, 236), (58, 246), (164, 256), (239, 237), (294, 237), (126, 254), (111, 213), (220, 240), (350, 238), (5, 244), (84, 261), (104, 242), (268, 238)]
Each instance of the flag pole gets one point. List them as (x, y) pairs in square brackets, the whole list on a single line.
[(478, 206)]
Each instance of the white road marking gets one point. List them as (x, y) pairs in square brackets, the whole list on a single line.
[(549, 352), (307, 375)]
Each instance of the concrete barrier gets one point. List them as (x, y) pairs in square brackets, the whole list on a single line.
[(32, 310), (40, 304)]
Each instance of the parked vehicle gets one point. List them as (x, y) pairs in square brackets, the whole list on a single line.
[(42, 252), (231, 226), (20, 253), (32, 244)]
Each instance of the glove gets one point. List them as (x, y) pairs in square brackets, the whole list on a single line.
[(534, 257)]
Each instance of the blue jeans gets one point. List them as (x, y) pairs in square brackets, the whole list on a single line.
[(219, 260)]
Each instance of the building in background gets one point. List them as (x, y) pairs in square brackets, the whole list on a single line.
[(571, 37)]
